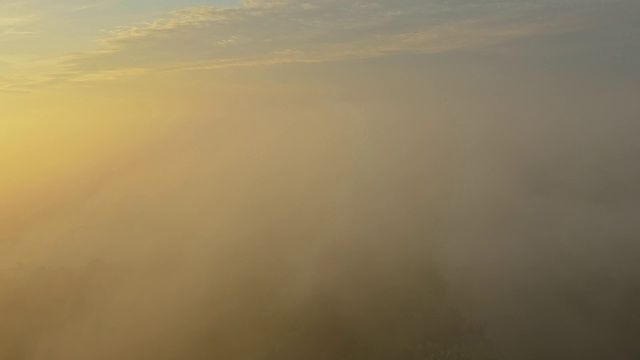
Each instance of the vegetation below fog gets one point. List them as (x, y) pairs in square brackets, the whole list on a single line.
[(354, 316)]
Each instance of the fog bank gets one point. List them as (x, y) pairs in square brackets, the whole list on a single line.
[(488, 209)]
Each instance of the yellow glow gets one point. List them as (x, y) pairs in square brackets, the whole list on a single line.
[(48, 138)]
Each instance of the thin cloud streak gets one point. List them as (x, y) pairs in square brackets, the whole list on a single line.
[(11, 26), (270, 32), (264, 32)]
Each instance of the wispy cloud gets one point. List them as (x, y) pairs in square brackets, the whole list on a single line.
[(13, 21), (91, 6), (11, 26), (295, 30), (266, 32)]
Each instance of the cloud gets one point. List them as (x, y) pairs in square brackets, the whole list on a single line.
[(9, 26), (91, 6), (13, 21), (280, 31), (264, 32)]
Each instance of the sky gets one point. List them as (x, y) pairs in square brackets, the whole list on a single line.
[(75, 41), (68, 66), (498, 136)]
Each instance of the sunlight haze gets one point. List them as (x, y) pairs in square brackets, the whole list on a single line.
[(329, 179)]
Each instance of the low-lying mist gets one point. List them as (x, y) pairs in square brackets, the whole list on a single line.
[(482, 215)]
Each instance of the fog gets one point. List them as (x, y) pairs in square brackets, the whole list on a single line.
[(473, 211)]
